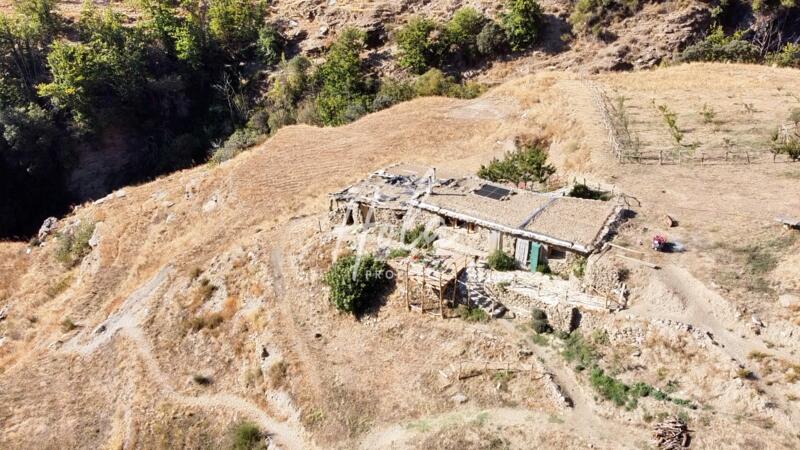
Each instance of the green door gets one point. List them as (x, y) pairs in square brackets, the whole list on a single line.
[(534, 255)]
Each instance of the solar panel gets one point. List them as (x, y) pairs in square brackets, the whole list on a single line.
[(493, 192)]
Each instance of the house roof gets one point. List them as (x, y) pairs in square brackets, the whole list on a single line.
[(546, 217), (565, 221)]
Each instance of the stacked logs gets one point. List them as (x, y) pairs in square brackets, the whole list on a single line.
[(671, 434)]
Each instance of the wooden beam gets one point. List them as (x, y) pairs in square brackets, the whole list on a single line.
[(625, 248)]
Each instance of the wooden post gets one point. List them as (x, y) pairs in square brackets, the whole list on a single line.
[(441, 296), (408, 302), (660, 157), (424, 285), (455, 282), (748, 157), (702, 158)]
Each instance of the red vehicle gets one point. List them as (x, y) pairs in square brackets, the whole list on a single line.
[(659, 242)]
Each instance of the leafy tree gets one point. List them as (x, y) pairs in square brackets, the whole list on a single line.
[(788, 56), (269, 45), (342, 79), (420, 44), (354, 280), (522, 22), (235, 24), (527, 163), (491, 39), (435, 82), (463, 29)]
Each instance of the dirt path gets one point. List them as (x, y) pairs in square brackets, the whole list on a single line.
[(701, 304), (126, 321)]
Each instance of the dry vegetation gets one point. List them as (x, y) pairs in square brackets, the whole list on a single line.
[(236, 248)]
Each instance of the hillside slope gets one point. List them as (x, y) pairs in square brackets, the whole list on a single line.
[(104, 354)]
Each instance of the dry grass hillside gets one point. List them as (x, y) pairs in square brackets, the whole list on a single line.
[(200, 303)]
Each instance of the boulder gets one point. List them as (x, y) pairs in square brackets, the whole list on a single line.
[(47, 227)]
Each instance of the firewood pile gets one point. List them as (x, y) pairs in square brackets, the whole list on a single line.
[(671, 434)]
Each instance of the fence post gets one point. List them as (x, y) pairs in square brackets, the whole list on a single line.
[(748, 157), (702, 158), (660, 157), (408, 302), (441, 296)]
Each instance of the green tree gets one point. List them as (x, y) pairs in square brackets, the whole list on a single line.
[(353, 280), (491, 39), (463, 29), (420, 44), (269, 45), (522, 22), (235, 24), (527, 163), (342, 80)]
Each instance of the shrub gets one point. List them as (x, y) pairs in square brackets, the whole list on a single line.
[(539, 322), (463, 29), (420, 44), (579, 267), (74, 245), (788, 56), (527, 163), (68, 325), (399, 253), (419, 236), (307, 113), (492, 39), (718, 47), (236, 143), (580, 190), (235, 23), (580, 351), (473, 314), (353, 280), (499, 260), (392, 92), (269, 45), (522, 22), (435, 82), (246, 436), (279, 119)]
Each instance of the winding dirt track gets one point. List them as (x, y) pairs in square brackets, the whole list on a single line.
[(126, 321)]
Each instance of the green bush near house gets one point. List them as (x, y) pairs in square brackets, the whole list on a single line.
[(527, 163), (354, 280), (499, 260)]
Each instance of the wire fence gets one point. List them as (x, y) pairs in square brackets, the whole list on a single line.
[(626, 147)]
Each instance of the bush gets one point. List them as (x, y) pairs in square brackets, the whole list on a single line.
[(392, 92), (580, 190), (269, 45), (718, 47), (307, 113), (580, 351), (492, 39), (279, 119), (522, 22), (420, 44), (246, 436), (236, 143), (539, 322), (462, 31), (435, 83), (527, 163), (499, 260), (399, 253), (591, 15), (473, 314), (789, 56), (419, 236), (74, 245), (353, 280)]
